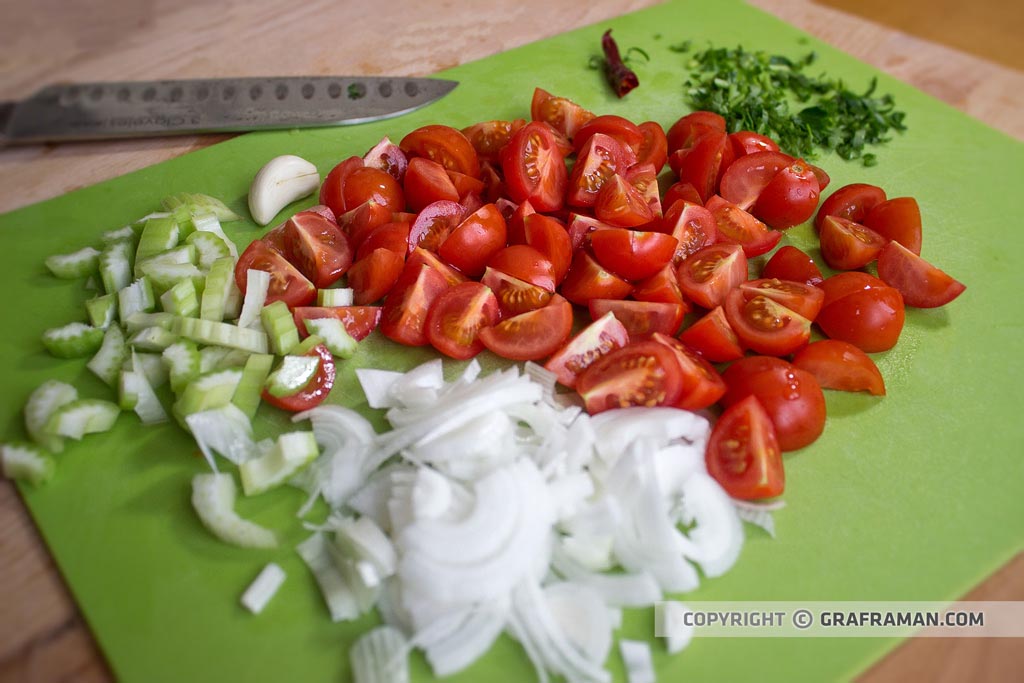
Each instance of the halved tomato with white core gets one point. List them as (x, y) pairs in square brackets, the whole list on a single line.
[(456, 317), (641, 318), (633, 254), (702, 385), (921, 284), (713, 338), (747, 177), (743, 453), (736, 225), (846, 245), (404, 315), (840, 365), (693, 226), (764, 325), (587, 280), (599, 159), (597, 339), (643, 373), (515, 296), (562, 114), (796, 296), (433, 225), (533, 335), (707, 276), (534, 168)]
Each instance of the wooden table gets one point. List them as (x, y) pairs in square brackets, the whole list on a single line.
[(42, 635)]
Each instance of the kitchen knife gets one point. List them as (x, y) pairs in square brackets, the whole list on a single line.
[(89, 111)]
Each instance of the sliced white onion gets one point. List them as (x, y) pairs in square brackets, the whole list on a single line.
[(583, 616), (470, 640), (225, 430), (617, 429), (636, 655), (380, 656), (257, 284), (638, 589), (340, 600), (718, 534)]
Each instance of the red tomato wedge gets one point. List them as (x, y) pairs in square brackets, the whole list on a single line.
[(748, 176), (846, 245), (790, 263), (427, 182), (332, 190), (317, 247), (641, 318), (713, 338), (644, 180), (359, 222), (373, 276), (748, 142), (736, 225), (445, 145), (632, 254), (862, 310), (433, 225), (287, 284), (597, 339), (764, 325), (515, 296), (789, 198), (599, 159), (624, 131), (488, 137), (420, 256), (743, 453), (366, 183), (548, 236), (687, 129), (898, 220), (693, 227), (643, 373), (457, 316), (533, 335), (475, 241), (621, 204), (654, 149), (852, 202), (681, 190), (921, 284), (699, 164), (707, 277), (393, 236), (314, 393), (662, 286), (388, 157), (562, 114), (404, 315), (840, 365), (581, 226), (359, 321), (587, 280), (525, 263), (516, 222), (702, 386), (534, 168), (798, 297)]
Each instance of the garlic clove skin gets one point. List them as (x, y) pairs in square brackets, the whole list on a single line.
[(281, 181)]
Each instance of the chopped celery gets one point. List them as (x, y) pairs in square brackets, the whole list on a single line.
[(280, 327), (107, 362), (137, 394), (182, 215), (140, 321), (118, 234), (182, 360), (200, 204), (254, 375), (233, 302), (213, 497), (225, 430), (138, 296), (185, 253), (211, 390), (74, 265), (334, 297), (292, 375), (26, 462), (257, 283), (217, 288), (74, 340), (116, 266), (152, 366), (234, 358), (336, 338), (263, 588), (292, 451), (209, 247), (221, 334), (209, 223), (84, 416), (210, 357), (307, 345), (153, 338), (101, 310), (139, 225), (166, 275), (181, 299), (158, 235), (41, 404)]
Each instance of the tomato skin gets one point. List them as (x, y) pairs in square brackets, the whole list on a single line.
[(317, 247), (548, 236), (801, 298), (422, 257), (746, 142), (332, 190), (840, 365), (359, 321), (388, 157), (366, 183), (287, 284), (688, 128), (743, 453), (870, 319), (791, 397), (897, 220), (707, 276), (627, 133), (790, 198), (516, 223), (921, 284), (393, 236), (852, 202), (765, 326), (644, 180), (515, 296), (643, 373), (747, 177), (534, 168), (682, 190), (632, 254), (580, 228), (525, 263), (662, 286), (373, 276), (457, 316), (790, 263), (434, 224), (427, 182), (693, 227), (597, 339), (846, 245), (445, 145), (699, 164), (702, 386), (640, 318), (359, 222), (562, 114), (404, 315), (622, 205), (736, 225), (532, 335), (488, 137), (587, 280), (474, 241), (654, 149), (841, 284), (315, 392), (713, 338)]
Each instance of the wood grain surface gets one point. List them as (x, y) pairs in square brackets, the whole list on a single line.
[(42, 636)]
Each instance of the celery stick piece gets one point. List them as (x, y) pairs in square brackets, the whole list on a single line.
[(74, 265), (280, 327), (261, 590), (181, 299), (115, 266), (136, 297), (182, 359), (292, 451), (292, 375), (336, 338), (26, 462), (221, 334), (158, 235), (74, 340), (254, 375), (84, 416), (257, 284), (107, 362), (207, 222), (41, 404), (140, 321), (211, 390), (153, 338), (334, 297), (152, 366), (209, 247), (307, 345), (213, 497), (102, 310), (200, 204), (217, 289)]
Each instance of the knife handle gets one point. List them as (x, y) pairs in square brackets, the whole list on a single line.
[(6, 109)]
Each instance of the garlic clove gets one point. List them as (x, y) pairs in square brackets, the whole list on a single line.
[(281, 181)]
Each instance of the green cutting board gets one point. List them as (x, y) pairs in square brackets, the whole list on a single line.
[(915, 496)]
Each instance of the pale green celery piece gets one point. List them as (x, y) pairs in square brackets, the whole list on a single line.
[(152, 366), (152, 339), (210, 357), (293, 375), (41, 404), (181, 299), (336, 338), (209, 247), (84, 416), (113, 352), (254, 376), (219, 281), (115, 265), (182, 360), (307, 345), (221, 334), (74, 340), (213, 497), (211, 390), (164, 276), (280, 327), (26, 462), (141, 320), (102, 310), (136, 297), (75, 265), (292, 451), (334, 297), (158, 235), (200, 204)]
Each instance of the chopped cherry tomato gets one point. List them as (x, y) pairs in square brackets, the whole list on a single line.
[(332, 190), (359, 222), (687, 129), (707, 276), (699, 164), (287, 284), (625, 132), (801, 298), (641, 318), (841, 284), (525, 263), (581, 226), (445, 145), (366, 183), (643, 373), (789, 198), (654, 149), (404, 315), (622, 205), (388, 157), (748, 176), (488, 137), (764, 325), (548, 236), (850, 201), (324, 211), (314, 393), (359, 321), (393, 236), (516, 222), (477, 238), (713, 338), (433, 224), (532, 335), (587, 280), (421, 256), (373, 275), (632, 254), (921, 284), (789, 263), (562, 114), (534, 168), (862, 310), (693, 227), (702, 386), (466, 185), (898, 220), (846, 245), (317, 247), (427, 182), (514, 295), (662, 286), (823, 178), (681, 190), (748, 142), (840, 365), (790, 396), (736, 225), (644, 178), (597, 339), (457, 316), (743, 453), (599, 159)]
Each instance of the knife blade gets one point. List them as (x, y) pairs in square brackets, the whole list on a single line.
[(90, 111)]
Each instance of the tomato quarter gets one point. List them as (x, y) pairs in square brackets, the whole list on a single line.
[(840, 365), (532, 335), (457, 316), (643, 373), (743, 453), (597, 339)]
